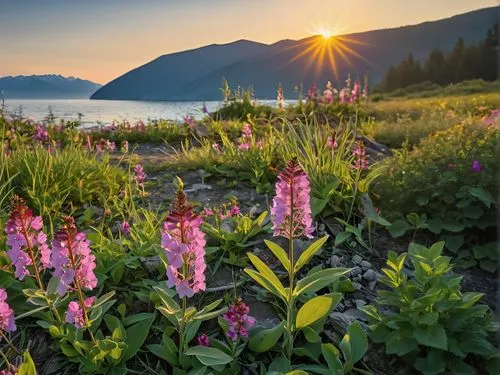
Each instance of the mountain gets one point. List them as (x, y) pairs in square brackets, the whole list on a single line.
[(197, 74), (49, 86)]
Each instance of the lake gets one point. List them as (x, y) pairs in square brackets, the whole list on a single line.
[(102, 112)]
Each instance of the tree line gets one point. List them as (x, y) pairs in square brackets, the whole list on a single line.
[(476, 61)]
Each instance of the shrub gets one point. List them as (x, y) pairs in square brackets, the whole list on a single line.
[(451, 177), (427, 319)]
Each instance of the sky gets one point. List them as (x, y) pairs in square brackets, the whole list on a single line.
[(100, 40)]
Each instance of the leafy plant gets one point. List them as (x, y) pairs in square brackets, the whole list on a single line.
[(427, 319)]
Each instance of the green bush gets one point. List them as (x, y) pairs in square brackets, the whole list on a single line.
[(437, 178), (62, 179), (427, 320)]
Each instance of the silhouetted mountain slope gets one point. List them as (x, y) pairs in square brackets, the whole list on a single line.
[(49, 86), (197, 74)]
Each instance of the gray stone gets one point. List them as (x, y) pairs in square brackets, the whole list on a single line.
[(365, 265), (357, 285), (228, 226), (340, 306), (348, 303), (356, 271), (335, 261), (151, 264), (356, 259), (370, 275), (198, 187), (372, 284), (358, 278)]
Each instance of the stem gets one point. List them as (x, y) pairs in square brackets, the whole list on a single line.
[(9, 365), (358, 174), (33, 259), (182, 327), (4, 336)]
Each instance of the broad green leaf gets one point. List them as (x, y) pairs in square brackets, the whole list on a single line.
[(341, 237), (483, 195), (400, 344), (266, 339), (313, 310), (28, 366), (297, 372), (346, 348), (307, 255), (103, 299), (319, 280), (311, 335), (432, 364), (433, 336), (398, 228), (279, 253), (359, 341), (168, 302), (331, 355), (209, 356), (454, 242), (453, 226), (136, 335)]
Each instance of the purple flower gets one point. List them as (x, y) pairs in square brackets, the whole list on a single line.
[(72, 260), (207, 212), (26, 241), (332, 141), (238, 320), (7, 320), (312, 93), (291, 210), (244, 146), (247, 131), (234, 211), (139, 176), (203, 340), (75, 314), (360, 156), (328, 93), (476, 166), (204, 109), (41, 134), (356, 91), (184, 244), (125, 227)]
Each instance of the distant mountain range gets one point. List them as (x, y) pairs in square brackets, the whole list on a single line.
[(49, 86), (197, 74)]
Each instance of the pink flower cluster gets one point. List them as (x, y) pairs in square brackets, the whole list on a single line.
[(291, 211), (72, 260), (476, 166), (139, 176), (184, 244), (345, 95), (189, 121), (203, 340), (332, 141), (360, 156), (280, 97), (26, 240), (105, 145), (124, 147), (41, 134), (75, 314), (238, 320), (125, 227), (246, 137), (216, 148), (225, 212), (7, 323)]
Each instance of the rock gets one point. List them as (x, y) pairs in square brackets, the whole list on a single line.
[(372, 284), (370, 275), (198, 187), (340, 321), (359, 303), (348, 303), (228, 226), (321, 227), (335, 261), (358, 278), (255, 210), (356, 271), (365, 265), (356, 259), (340, 306), (357, 285), (151, 264)]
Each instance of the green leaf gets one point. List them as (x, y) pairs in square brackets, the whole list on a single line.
[(454, 242), (473, 212), (331, 355), (359, 341), (433, 336), (453, 226), (318, 205), (400, 344), (459, 367), (413, 219), (266, 339), (488, 265), (319, 280), (307, 255), (435, 225), (341, 237), (168, 302), (313, 310), (483, 195), (279, 253), (398, 228), (136, 335), (28, 366), (311, 335), (209, 356), (432, 364), (103, 299)]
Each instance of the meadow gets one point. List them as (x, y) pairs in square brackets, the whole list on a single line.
[(344, 234)]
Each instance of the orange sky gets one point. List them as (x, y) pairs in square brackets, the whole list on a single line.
[(100, 40)]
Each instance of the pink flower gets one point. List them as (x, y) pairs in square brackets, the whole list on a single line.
[(451, 166), (247, 131), (476, 166), (125, 227), (75, 313), (184, 244), (244, 146), (203, 340), (238, 320), (189, 121), (332, 141), (328, 93), (259, 144), (360, 156), (26, 240), (235, 210), (124, 147), (217, 148), (72, 260), (207, 212), (312, 93), (356, 91), (139, 176), (7, 320), (41, 134), (291, 211)]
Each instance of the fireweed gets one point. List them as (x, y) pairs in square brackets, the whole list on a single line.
[(139, 177), (238, 320), (7, 324), (291, 217)]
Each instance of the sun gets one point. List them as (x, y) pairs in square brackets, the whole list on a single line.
[(325, 33)]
